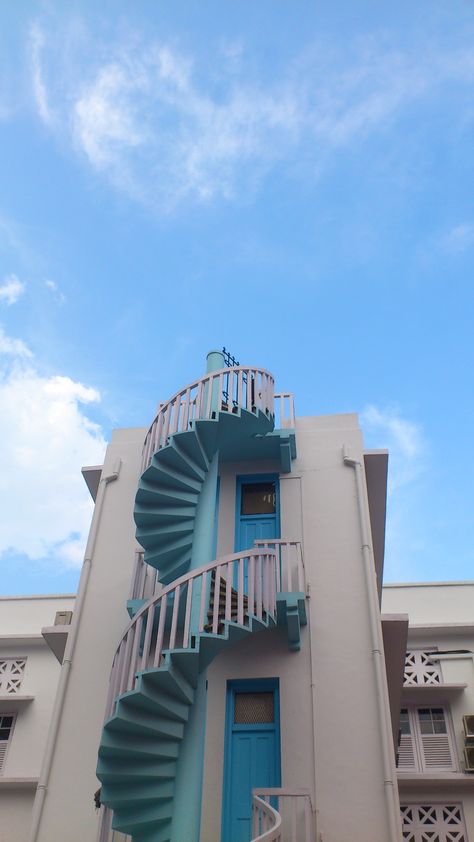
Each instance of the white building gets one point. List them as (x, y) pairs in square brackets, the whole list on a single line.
[(257, 659), (29, 673)]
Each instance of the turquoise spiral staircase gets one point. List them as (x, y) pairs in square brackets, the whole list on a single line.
[(142, 738)]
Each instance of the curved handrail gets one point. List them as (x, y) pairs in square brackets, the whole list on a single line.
[(267, 819), (245, 584), (224, 390)]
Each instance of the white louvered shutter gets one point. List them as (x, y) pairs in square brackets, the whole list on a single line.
[(406, 749), (434, 739), (3, 751)]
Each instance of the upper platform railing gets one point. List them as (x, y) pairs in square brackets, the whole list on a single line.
[(233, 588), (226, 390)]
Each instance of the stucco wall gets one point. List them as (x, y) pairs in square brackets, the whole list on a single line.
[(318, 505), (69, 811)]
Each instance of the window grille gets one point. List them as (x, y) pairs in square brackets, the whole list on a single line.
[(420, 669), (6, 730), (433, 823), (11, 675), (426, 740), (253, 708)]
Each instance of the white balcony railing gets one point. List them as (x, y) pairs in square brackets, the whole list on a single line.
[(145, 585), (290, 570), (284, 411), (233, 588), (295, 813), (226, 390), (266, 821)]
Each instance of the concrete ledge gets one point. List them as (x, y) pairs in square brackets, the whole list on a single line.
[(18, 783)]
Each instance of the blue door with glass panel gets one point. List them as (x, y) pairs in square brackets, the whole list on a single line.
[(257, 514), (252, 752)]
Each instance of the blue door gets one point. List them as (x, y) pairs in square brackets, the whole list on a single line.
[(252, 752), (257, 514)]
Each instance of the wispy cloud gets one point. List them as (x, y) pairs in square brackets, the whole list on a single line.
[(45, 438), (11, 290), (37, 44), (145, 117), (13, 347), (55, 291), (404, 439), (459, 239)]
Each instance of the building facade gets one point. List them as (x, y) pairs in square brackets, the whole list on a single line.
[(33, 631), (229, 673)]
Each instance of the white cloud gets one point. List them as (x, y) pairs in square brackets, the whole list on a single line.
[(37, 44), (45, 438), (147, 118), (459, 239), (11, 290), (55, 291), (404, 439), (13, 347)]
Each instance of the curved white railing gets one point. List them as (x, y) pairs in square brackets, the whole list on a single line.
[(294, 809), (235, 587), (225, 390), (266, 821)]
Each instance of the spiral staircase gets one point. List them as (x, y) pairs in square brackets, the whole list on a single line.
[(173, 637)]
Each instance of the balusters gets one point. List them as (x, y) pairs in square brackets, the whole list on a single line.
[(251, 584), (217, 595), (228, 590), (187, 618), (202, 608), (174, 617), (161, 630), (240, 592), (148, 632), (134, 652), (259, 586)]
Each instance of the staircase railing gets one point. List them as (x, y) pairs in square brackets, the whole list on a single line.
[(235, 588), (290, 571), (144, 582), (266, 822), (294, 809), (284, 411), (226, 390)]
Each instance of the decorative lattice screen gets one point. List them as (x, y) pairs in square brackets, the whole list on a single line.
[(433, 823), (253, 708), (11, 675), (420, 669)]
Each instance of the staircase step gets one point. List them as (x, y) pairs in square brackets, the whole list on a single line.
[(134, 820), (120, 745), (164, 531), (170, 679), (161, 515), (162, 703), (163, 474), (126, 771), (185, 662), (132, 720), (179, 459), (119, 796), (152, 493), (190, 443), (169, 553)]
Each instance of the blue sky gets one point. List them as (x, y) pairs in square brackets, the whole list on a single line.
[(292, 180)]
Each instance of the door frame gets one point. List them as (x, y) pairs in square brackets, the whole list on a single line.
[(255, 479), (247, 685)]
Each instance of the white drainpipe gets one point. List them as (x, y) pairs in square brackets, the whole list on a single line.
[(383, 704), (68, 655)]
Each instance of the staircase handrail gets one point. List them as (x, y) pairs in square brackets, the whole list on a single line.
[(259, 600), (265, 818), (291, 573), (175, 414), (296, 810)]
